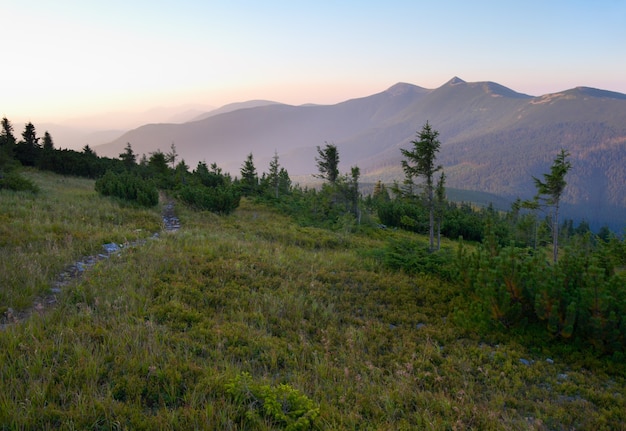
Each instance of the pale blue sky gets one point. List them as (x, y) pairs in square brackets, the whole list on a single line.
[(67, 58)]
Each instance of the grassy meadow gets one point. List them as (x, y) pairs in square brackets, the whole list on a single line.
[(250, 321)]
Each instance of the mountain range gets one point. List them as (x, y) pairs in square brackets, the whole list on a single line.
[(493, 139)]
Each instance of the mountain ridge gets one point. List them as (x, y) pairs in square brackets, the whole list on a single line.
[(494, 139)]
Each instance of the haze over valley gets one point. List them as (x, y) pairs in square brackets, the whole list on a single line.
[(540, 76), (494, 139)]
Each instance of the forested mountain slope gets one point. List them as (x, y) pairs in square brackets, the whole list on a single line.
[(493, 138)]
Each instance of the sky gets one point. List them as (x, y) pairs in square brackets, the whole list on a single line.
[(66, 58)]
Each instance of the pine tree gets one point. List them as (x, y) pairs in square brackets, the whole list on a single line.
[(420, 161)]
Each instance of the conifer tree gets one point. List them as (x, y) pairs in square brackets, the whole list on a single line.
[(128, 156), (27, 150), (7, 144), (549, 192), (274, 178), (353, 191), (48, 145), (6, 134), (249, 178), (420, 161), (328, 163), (172, 155)]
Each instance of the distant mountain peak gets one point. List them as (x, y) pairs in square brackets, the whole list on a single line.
[(579, 93), (403, 88), (455, 81), (595, 92)]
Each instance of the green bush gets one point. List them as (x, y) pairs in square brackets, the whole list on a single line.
[(282, 405), (128, 187), (406, 215), (14, 181), (221, 199), (415, 258), (579, 299)]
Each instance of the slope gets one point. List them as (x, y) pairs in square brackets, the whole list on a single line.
[(493, 138)]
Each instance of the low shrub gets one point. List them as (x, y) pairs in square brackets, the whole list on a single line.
[(128, 187), (14, 181), (220, 199), (282, 404)]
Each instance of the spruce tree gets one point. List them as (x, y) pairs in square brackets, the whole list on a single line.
[(420, 162), (328, 163), (549, 192), (128, 157), (249, 178)]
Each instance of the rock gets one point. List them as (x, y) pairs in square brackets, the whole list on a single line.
[(525, 361), (111, 247), (549, 361)]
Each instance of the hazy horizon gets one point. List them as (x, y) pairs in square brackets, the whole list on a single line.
[(75, 59)]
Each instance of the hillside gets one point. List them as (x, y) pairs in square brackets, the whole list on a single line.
[(251, 321), (493, 138)]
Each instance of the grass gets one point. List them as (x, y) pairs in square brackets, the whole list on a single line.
[(42, 233), (155, 338)]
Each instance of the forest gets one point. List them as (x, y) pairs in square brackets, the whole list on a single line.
[(283, 307)]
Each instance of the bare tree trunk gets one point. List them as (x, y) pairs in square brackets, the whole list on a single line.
[(555, 233), (432, 221)]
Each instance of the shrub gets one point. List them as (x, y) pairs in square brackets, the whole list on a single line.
[(128, 187), (409, 216), (283, 404), (578, 299), (14, 181), (221, 199), (415, 258)]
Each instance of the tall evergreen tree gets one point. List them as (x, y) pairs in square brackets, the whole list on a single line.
[(27, 150), (6, 134), (273, 177), (157, 163), (353, 191), (128, 157), (7, 144), (420, 162), (172, 155), (284, 182), (48, 145), (380, 193), (88, 151), (549, 192), (249, 177), (328, 163), (46, 159)]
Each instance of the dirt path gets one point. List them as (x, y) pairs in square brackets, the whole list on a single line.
[(42, 304)]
